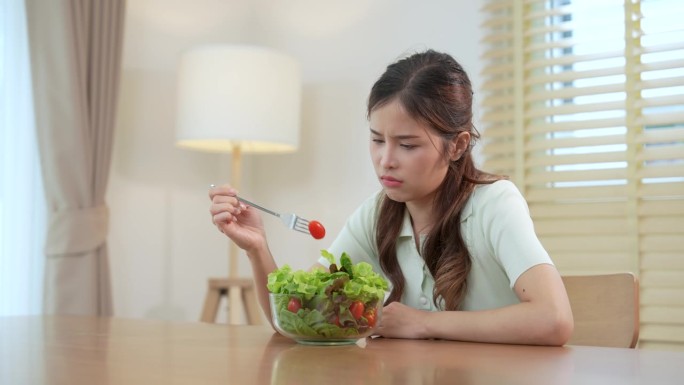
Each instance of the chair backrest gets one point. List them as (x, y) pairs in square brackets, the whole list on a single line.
[(605, 309)]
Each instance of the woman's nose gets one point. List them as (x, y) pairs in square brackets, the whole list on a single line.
[(387, 158)]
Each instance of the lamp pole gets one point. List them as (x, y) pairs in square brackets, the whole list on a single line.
[(236, 182), (235, 304)]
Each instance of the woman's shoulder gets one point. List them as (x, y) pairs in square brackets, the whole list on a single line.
[(493, 196), (502, 187)]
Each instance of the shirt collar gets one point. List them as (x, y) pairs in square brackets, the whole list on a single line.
[(407, 228), (468, 208)]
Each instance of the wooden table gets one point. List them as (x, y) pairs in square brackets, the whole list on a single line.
[(88, 350)]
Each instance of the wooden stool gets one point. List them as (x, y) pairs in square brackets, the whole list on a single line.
[(241, 300)]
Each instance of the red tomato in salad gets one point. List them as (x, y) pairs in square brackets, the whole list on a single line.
[(371, 317), (294, 305), (356, 309), (316, 229)]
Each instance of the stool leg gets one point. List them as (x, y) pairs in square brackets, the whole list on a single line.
[(235, 305), (250, 300), (211, 305)]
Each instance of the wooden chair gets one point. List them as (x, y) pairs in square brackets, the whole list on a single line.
[(605, 309), (242, 301)]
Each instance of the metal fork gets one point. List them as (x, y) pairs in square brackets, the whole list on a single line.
[(290, 220)]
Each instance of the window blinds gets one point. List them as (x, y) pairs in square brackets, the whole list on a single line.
[(583, 107)]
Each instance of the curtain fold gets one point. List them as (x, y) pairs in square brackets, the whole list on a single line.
[(75, 48)]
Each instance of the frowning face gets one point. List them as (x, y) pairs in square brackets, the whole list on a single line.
[(407, 155)]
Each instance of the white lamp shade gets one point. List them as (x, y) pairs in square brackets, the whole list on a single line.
[(238, 95)]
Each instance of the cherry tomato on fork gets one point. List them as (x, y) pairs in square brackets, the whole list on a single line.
[(316, 229)]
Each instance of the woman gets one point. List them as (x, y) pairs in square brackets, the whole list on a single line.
[(457, 244)]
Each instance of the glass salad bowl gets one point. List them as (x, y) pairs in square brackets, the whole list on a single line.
[(321, 319)]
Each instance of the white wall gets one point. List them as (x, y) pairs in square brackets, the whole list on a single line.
[(162, 244)]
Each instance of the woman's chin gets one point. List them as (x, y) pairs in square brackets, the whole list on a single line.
[(395, 195)]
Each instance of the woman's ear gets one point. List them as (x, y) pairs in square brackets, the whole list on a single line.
[(459, 145)]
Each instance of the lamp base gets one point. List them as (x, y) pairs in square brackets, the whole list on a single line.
[(242, 301)]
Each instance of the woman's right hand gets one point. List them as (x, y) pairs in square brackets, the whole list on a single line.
[(240, 223)]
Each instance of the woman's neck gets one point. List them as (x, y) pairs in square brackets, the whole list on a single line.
[(421, 217)]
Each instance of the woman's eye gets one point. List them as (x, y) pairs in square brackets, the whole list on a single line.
[(379, 141), (408, 146)]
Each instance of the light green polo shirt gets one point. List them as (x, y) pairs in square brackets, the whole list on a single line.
[(498, 232)]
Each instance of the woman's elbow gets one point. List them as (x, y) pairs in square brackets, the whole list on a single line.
[(559, 329)]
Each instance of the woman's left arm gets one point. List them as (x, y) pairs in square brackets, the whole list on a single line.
[(543, 316)]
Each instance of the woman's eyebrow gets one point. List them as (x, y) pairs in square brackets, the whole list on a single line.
[(396, 136)]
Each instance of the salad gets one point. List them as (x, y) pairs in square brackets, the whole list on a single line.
[(339, 303)]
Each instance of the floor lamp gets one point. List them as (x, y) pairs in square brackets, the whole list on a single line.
[(238, 99)]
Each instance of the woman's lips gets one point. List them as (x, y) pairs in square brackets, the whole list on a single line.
[(388, 181)]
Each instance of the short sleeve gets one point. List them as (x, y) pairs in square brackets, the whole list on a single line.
[(509, 231)]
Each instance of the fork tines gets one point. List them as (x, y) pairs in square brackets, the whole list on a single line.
[(301, 225)]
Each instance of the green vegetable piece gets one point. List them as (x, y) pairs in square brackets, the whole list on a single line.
[(346, 263), (292, 323), (328, 255)]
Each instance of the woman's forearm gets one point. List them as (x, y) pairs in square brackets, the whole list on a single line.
[(523, 323), (262, 263)]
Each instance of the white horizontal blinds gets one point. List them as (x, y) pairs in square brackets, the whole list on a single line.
[(599, 89), (576, 153), (659, 151)]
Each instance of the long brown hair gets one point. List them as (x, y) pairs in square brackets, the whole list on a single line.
[(434, 89)]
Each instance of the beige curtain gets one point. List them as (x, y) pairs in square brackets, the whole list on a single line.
[(76, 62)]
